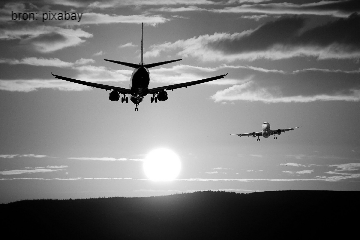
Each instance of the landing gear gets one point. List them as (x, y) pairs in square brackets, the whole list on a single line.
[(258, 139), (136, 108), (275, 137), (124, 99), (153, 99)]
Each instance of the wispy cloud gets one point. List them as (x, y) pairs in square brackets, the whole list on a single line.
[(316, 178), (292, 164), (24, 155), (45, 39), (32, 171), (46, 62), (305, 172), (280, 39), (126, 45), (98, 53), (254, 17), (250, 92), (28, 85), (346, 167), (178, 9), (320, 8), (105, 159)]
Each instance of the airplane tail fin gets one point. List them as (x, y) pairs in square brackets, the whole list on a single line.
[(133, 65), (142, 44)]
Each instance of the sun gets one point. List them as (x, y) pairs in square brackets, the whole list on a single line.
[(162, 165)]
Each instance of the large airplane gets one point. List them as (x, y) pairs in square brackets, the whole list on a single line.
[(266, 132), (139, 82)]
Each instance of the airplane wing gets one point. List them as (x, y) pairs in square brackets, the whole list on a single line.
[(186, 84), (279, 131), (253, 134), (94, 85)]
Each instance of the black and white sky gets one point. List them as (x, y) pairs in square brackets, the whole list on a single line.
[(290, 63)]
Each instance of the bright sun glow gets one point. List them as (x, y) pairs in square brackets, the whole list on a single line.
[(162, 165)]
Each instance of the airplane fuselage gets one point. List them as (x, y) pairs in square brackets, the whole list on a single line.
[(139, 84), (266, 129)]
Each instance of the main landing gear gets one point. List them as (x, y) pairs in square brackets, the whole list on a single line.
[(136, 108), (154, 99), (258, 139), (124, 99), (275, 137)]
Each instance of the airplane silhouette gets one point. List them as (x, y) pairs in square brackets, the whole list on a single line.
[(139, 82), (266, 132)]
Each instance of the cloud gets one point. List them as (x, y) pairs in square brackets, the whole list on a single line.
[(28, 171), (305, 172), (338, 178), (254, 17), (259, 179), (280, 39), (42, 179), (292, 164), (24, 155), (251, 92), (46, 62), (84, 61), (321, 8), (187, 73), (56, 167), (104, 159), (85, 72), (98, 53), (45, 39), (178, 9), (305, 156), (346, 167), (118, 4), (130, 44), (28, 85), (8, 155)]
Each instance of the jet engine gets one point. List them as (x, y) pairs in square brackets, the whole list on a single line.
[(162, 96), (278, 131), (114, 96), (254, 134)]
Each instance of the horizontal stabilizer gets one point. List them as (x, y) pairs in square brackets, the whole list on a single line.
[(133, 65), (160, 63)]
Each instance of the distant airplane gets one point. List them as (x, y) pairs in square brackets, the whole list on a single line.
[(266, 132), (139, 82)]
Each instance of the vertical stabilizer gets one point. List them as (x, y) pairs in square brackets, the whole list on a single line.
[(142, 44)]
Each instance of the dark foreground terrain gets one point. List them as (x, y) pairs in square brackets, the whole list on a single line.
[(200, 215)]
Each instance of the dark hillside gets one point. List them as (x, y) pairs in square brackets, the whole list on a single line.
[(200, 215)]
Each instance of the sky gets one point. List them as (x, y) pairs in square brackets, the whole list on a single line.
[(290, 63)]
